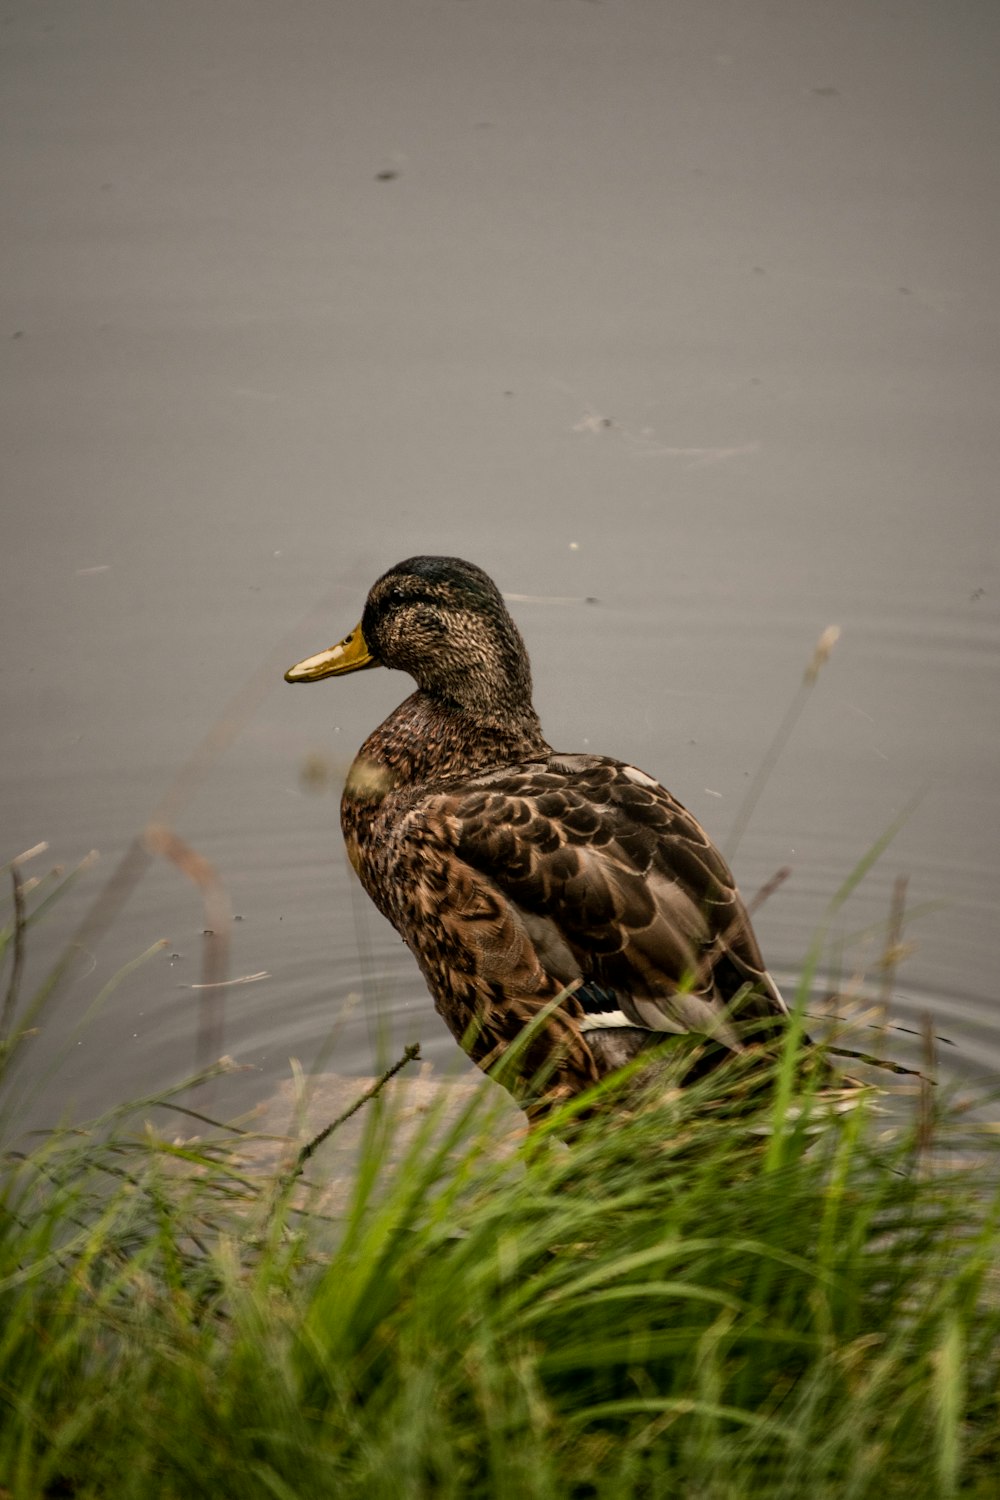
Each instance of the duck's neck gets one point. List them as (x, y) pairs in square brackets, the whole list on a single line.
[(425, 740)]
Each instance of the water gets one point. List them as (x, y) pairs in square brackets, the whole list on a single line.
[(691, 310)]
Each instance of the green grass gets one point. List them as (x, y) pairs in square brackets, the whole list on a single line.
[(711, 1295)]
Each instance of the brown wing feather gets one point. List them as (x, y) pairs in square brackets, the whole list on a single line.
[(479, 959), (630, 879), (576, 867)]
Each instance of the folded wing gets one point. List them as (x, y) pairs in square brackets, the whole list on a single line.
[(577, 870)]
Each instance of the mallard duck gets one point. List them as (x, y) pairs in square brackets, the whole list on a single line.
[(517, 874)]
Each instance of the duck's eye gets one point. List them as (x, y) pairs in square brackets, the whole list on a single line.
[(395, 596)]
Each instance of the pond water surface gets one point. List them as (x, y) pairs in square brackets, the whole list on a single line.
[(689, 310)]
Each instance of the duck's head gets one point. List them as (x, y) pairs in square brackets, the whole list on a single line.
[(444, 622)]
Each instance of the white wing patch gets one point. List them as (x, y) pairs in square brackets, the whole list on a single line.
[(605, 1020), (639, 777)]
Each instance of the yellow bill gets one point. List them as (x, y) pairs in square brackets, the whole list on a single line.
[(349, 655)]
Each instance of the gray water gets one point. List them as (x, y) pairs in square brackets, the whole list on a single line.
[(687, 308)]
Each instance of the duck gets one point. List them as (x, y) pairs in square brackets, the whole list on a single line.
[(566, 899)]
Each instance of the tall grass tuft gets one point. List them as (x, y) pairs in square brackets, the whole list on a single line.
[(645, 1313), (731, 1289)]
